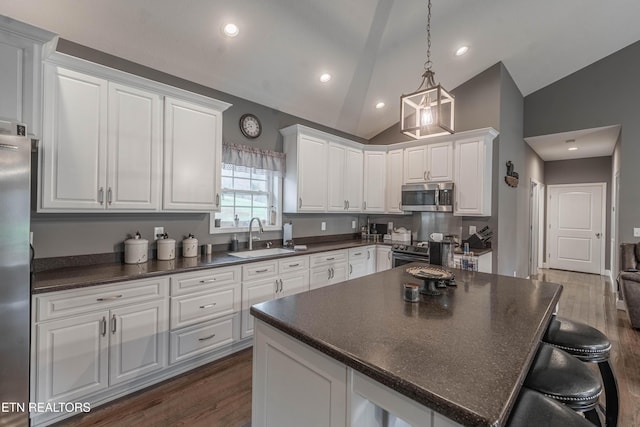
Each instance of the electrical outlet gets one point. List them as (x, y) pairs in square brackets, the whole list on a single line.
[(636, 232), (472, 229), (323, 226), (157, 231), (353, 225)]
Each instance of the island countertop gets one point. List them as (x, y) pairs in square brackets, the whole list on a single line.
[(463, 354)]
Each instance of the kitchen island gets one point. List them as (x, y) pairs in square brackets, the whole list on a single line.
[(357, 354)]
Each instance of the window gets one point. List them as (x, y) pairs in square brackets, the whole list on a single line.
[(251, 187)]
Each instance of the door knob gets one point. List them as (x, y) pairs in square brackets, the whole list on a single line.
[(598, 235)]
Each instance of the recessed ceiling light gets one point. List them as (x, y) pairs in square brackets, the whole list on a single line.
[(325, 77), (380, 105), (462, 50), (230, 30), (572, 148)]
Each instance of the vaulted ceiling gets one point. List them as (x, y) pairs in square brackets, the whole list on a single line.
[(374, 49)]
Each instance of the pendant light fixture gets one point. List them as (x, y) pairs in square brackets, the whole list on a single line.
[(430, 110)]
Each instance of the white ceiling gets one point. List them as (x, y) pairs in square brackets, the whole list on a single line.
[(596, 142), (375, 49)]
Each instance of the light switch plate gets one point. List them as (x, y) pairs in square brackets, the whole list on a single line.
[(323, 226), (636, 232), (472, 229), (156, 231)]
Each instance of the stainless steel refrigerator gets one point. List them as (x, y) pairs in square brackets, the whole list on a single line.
[(15, 278)]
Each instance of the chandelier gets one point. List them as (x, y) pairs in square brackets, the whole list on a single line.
[(429, 110)]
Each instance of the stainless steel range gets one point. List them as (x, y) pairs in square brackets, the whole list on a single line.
[(404, 254)]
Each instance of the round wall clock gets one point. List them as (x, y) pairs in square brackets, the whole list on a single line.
[(250, 126)]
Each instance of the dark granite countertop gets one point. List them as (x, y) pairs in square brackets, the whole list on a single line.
[(463, 354), (100, 274)]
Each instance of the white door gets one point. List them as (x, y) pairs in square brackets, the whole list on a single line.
[(336, 167), (134, 149), (353, 174), (534, 226), (374, 179), (312, 170), (383, 258), (395, 175), (293, 283), (192, 156), (357, 268), (371, 260), (415, 164), (319, 276), (139, 342), (440, 162), (74, 144), (255, 292), (575, 215)]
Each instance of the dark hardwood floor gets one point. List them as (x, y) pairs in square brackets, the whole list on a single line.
[(219, 394)]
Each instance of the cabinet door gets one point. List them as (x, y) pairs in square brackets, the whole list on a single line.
[(11, 67), (374, 181), (383, 258), (440, 162), (394, 179), (139, 342), (357, 268), (71, 357), (293, 283), (472, 180), (371, 260), (336, 166), (134, 149), (255, 292), (192, 156), (319, 276), (340, 273), (312, 170), (415, 164), (354, 170), (74, 145)]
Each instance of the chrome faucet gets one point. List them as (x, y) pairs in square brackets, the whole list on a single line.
[(252, 238)]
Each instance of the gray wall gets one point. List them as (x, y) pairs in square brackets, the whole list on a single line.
[(582, 171), (77, 234), (601, 94)]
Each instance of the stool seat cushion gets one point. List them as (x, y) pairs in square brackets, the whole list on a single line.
[(559, 375), (578, 339), (532, 409)]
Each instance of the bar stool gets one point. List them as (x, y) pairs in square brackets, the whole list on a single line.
[(533, 409), (589, 345), (562, 377)]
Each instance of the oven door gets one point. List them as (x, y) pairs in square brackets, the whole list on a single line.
[(400, 258)]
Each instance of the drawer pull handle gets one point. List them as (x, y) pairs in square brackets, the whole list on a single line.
[(264, 270), (331, 259), (294, 265), (115, 297), (208, 305), (208, 281), (357, 254), (207, 338)]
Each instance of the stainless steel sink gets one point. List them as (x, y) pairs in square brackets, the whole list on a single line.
[(259, 253)]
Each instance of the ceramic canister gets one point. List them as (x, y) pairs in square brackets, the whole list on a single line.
[(136, 250), (190, 247), (166, 249)]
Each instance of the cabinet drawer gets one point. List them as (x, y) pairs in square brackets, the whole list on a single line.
[(55, 305), (356, 254), (195, 340), (204, 280), (293, 264), (328, 258), (193, 308), (259, 270)]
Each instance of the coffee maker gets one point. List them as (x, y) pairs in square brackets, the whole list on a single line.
[(441, 253)]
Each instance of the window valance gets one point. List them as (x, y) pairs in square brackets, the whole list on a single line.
[(242, 158)]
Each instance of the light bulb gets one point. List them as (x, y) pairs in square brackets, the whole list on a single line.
[(426, 116)]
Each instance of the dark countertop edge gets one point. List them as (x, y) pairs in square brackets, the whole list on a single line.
[(434, 402), (79, 277)]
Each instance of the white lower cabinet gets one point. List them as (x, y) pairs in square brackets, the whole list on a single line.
[(362, 261), (328, 268), (204, 337), (266, 280), (112, 338), (383, 258)]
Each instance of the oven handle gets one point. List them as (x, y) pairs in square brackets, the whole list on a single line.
[(406, 257)]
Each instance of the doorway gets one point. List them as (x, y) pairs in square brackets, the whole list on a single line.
[(576, 218), (536, 217)]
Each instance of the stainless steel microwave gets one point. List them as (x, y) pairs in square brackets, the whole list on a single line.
[(431, 197)]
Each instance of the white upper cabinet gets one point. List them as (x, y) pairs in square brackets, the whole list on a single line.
[(473, 174), (101, 146), (344, 178), (192, 156), (395, 171), (305, 183), (428, 163), (374, 181), (22, 47), (324, 172), (74, 141)]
